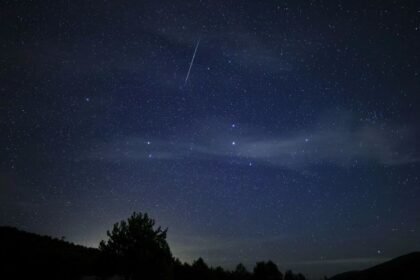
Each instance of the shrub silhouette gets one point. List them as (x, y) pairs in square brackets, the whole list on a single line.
[(289, 275), (267, 271), (136, 250), (241, 273)]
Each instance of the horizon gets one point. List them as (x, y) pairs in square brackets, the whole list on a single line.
[(345, 264)]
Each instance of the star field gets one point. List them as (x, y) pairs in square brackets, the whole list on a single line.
[(293, 138)]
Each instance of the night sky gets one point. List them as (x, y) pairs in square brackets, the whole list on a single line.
[(254, 130)]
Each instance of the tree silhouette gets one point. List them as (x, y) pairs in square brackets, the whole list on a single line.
[(289, 275), (267, 271), (136, 250), (200, 269), (241, 272)]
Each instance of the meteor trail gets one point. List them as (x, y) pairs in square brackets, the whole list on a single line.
[(192, 61)]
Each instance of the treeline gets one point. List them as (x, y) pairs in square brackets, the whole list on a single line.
[(262, 270), (135, 249)]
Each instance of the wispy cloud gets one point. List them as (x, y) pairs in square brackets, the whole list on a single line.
[(342, 146), (338, 146)]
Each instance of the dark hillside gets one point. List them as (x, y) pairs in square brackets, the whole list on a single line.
[(406, 267), (24, 253)]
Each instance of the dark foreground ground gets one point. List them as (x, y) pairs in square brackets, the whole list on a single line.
[(31, 256)]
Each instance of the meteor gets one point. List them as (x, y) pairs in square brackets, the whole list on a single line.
[(191, 63)]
